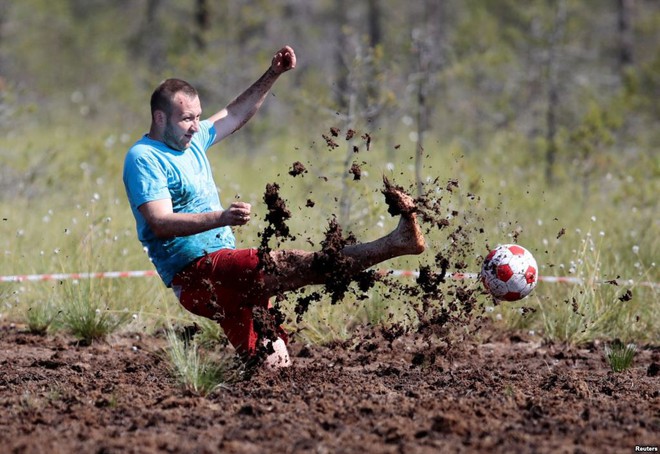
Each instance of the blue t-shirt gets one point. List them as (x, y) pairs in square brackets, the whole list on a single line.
[(154, 171)]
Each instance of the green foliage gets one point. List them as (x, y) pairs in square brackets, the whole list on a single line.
[(326, 323), (619, 356), (196, 371), (41, 316), (85, 314), (76, 96), (596, 309), (210, 333)]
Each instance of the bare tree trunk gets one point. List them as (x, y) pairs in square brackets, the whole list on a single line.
[(373, 88), (340, 50), (422, 125), (3, 19), (428, 42), (147, 42), (625, 27), (553, 90), (202, 22)]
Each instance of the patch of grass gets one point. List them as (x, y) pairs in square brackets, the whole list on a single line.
[(594, 308), (515, 316), (619, 356), (75, 198), (41, 316), (209, 333), (197, 372), (85, 314), (327, 324)]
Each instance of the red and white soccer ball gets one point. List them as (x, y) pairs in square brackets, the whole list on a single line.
[(509, 272)]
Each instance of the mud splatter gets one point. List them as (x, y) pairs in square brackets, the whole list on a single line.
[(297, 168), (276, 217), (395, 205), (356, 171), (437, 300)]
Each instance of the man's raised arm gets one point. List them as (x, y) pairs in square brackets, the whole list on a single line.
[(241, 109)]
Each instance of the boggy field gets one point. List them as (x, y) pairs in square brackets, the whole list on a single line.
[(374, 393)]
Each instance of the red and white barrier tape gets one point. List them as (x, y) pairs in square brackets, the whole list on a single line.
[(402, 273), (551, 279), (75, 276)]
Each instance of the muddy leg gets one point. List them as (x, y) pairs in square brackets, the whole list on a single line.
[(294, 268)]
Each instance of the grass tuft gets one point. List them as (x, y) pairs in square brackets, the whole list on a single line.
[(40, 317), (84, 315), (619, 356), (196, 372)]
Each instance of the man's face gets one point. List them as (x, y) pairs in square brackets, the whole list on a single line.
[(183, 122)]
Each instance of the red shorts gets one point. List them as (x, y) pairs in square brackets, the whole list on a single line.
[(224, 286)]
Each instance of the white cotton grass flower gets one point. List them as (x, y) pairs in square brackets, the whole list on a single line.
[(77, 97), (635, 250)]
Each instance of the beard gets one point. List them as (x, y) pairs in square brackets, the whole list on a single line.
[(173, 141)]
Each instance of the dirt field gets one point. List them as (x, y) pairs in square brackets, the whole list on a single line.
[(369, 395)]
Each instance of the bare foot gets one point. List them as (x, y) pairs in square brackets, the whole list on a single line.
[(407, 237)]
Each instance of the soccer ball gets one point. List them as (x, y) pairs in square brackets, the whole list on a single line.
[(509, 272)]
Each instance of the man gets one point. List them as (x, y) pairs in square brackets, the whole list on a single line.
[(188, 234)]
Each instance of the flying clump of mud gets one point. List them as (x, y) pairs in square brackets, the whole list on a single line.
[(435, 296)]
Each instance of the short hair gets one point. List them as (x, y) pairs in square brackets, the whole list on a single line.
[(163, 95)]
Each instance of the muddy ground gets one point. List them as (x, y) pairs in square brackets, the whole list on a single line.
[(440, 389), (498, 394)]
